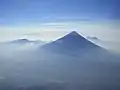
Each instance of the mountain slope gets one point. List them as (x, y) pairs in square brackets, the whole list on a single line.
[(71, 43), (75, 45)]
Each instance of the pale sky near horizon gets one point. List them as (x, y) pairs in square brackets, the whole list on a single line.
[(50, 19)]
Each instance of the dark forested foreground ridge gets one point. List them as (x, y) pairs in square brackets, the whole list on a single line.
[(69, 63)]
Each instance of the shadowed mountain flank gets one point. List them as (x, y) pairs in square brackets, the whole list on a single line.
[(71, 43)]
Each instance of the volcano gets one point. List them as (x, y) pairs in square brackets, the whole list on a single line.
[(72, 42)]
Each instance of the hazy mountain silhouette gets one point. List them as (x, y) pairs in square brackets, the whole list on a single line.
[(71, 43), (22, 41), (93, 38), (25, 41), (75, 45)]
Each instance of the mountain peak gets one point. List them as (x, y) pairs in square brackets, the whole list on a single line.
[(73, 33), (71, 42), (73, 36)]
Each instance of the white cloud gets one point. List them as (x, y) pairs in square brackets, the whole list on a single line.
[(105, 30)]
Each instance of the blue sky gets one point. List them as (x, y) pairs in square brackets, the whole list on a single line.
[(22, 17), (39, 11)]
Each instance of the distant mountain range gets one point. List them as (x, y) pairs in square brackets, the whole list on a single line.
[(26, 41)]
